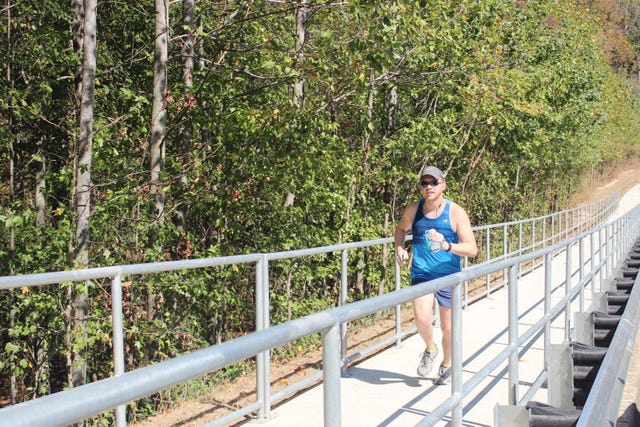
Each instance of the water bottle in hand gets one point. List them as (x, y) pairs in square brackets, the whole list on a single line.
[(435, 246)]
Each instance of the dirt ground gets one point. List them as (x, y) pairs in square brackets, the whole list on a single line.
[(230, 396), (627, 177)]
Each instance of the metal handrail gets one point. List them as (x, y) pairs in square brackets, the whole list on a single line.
[(586, 215), (76, 404), (603, 402)]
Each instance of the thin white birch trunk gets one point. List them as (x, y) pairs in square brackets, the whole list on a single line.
[(159, 108), (12, 233), (302, 13), (83, 184), (158, 130), (188, 66)]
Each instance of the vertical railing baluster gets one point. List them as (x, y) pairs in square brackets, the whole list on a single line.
[(331, 373), (513, 334), (398, 278), (581, 271), (456, 351), (567, 287), (118, 341), (548, 285), (488, 257), (600, 259), (344, 293), (262, 322), (505, 251)]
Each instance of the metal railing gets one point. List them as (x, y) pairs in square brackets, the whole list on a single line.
[(603, 402), (537, 239), (500, 241)]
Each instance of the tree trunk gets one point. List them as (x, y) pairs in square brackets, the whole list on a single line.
[(188, 48), (302, 13), (289, 298), (385, 258), (204, 104), (159, 108), (392, 109), (188, 66), (83, 183), (42, 370), (12, 233), (366, 148), (158, 132), (41, 204)]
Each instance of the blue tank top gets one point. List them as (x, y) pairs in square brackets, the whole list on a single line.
[(429, 265)]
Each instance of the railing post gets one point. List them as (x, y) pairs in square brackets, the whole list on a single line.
[(456, 351), (513, 334), (600, 259), (617, 242), (398, 307), (262, 322), (398, 286), (592, 261), (118, 341), (487, 258), (614, 246), (519, 238), (608, 247), (579, 214), (331, 372), (505, 251), (567, 287), (343, 300), (548, 260), (581, 271)]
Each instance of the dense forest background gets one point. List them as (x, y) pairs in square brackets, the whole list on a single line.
[(139, 131)]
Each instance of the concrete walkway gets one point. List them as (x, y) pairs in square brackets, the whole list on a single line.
[(384, 390), (631, 392)]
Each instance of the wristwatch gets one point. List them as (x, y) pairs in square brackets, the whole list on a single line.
[(448, 249)]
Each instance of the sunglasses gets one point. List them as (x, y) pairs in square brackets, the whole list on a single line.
[(433, 183)]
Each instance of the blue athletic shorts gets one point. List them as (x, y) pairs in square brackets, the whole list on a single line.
[(443, 295)]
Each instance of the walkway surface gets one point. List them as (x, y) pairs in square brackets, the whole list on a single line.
[(384, 390)]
